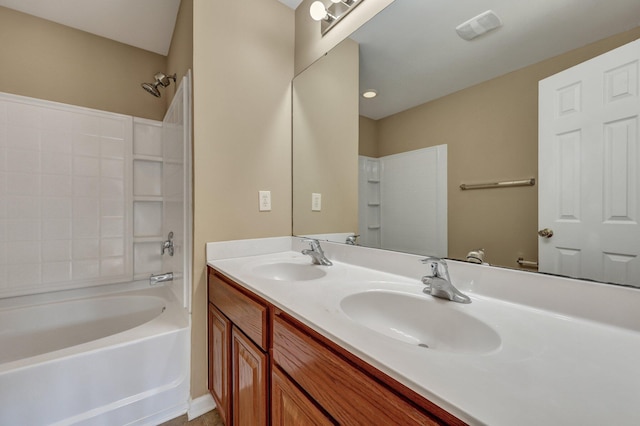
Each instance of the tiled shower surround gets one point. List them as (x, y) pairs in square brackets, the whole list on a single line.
[(68, 180)]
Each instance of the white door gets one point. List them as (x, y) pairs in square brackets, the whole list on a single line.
[(589, 193)]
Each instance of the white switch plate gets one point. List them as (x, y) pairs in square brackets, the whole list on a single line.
[(265, 201), (316, 202)]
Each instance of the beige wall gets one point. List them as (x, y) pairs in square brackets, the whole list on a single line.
[(368, 137), (325, 155), (45, 60), (243, 66), (180, 57), (491, 130), (311, 45)]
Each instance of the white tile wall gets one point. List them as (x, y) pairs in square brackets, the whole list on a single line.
[(147, 219), (148, 197), (64, 185), (147, 138), (147, 258), (81, 195), (147, 178)]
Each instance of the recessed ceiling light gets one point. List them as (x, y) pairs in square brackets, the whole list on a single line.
[(368, 94)]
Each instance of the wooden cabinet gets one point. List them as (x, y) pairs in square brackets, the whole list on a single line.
[(219, 363), (238, 358), (342, 385), (250, 392), (279, 371), (290, 406)]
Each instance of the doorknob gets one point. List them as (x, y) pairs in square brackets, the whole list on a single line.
[(546, 233)]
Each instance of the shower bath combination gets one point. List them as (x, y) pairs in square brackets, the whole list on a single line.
[(162, 80)]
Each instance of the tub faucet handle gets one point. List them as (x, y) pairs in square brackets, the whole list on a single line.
[(167, 245)]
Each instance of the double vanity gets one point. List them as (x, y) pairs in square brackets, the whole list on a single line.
[(360, 342)]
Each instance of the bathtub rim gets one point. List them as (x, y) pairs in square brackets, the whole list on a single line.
[(173, 319)]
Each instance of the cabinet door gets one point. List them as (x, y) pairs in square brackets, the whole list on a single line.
[(250, 390), (290, 406), (219, 361)]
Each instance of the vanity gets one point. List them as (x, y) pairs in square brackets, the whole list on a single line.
[(358, 342)]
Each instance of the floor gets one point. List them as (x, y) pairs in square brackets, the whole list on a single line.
[(212, 418)]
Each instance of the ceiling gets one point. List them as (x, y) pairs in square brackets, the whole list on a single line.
[(147, 24), (410, 52), (293, 4)]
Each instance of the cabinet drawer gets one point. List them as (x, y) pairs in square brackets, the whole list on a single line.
[(290, 406), (248, 314), (347, 393)]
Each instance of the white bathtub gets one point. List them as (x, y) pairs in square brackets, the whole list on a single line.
[(98, 356)]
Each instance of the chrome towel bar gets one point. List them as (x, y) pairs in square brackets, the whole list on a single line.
[(504, 184), (527, 263)]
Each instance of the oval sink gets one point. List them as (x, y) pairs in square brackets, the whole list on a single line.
[(420, 321), (286, 271)]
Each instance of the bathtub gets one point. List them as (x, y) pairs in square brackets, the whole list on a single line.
[(110, 355)]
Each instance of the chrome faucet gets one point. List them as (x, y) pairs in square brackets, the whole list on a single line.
[(160, 278), (167, 245), (351, 239), (316, 253), (438, 284)]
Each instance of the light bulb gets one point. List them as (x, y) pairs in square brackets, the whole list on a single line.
[(317, 11)]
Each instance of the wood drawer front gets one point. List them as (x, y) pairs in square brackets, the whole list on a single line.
[(349, 395), (246, 313), (290, 406)]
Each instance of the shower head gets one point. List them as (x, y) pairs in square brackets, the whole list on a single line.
[(152, 88), (162, 80)]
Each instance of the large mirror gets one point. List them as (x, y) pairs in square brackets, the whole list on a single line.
[(447, 112)]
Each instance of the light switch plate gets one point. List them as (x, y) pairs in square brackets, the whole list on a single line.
[(316, 202), (265, 200)]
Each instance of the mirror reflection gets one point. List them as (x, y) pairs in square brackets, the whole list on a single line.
[(447, 112)]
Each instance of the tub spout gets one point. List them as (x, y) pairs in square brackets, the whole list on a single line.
[(160, 278)]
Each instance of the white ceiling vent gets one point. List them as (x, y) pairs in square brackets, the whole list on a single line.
[(479, 25)]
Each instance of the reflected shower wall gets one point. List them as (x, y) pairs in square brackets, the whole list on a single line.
[(403, 201)]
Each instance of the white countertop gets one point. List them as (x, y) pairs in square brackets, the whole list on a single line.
[(551, 368)]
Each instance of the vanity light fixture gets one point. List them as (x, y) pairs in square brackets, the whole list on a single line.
[(369, 94), (330, 16), (319, 12)]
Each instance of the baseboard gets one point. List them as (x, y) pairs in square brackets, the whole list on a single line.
[(201, 405)]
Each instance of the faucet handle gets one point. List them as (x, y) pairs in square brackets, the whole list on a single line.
[(314, 243), (167, 244), (430, 259), (434, 264)]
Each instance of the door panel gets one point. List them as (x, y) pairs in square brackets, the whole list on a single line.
[(219, 362), (588, 169), (250, 391)]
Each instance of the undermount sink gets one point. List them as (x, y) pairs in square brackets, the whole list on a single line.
[(288, 271), (421, 321)]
